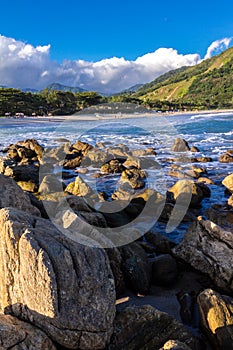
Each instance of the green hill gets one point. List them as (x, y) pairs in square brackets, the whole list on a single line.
[(206, 85)]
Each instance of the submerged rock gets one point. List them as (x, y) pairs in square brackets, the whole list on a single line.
[(64, 288)]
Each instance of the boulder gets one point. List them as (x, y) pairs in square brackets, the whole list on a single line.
[(143, 152), (82, 147), (136, 267), (23, 172), (64, 288), (164, 270), (113, 166), (180, 145), (11, 195), (163, 244), (227, 157), (115, 261), (17, 335), (230, 201), (228, 182), (144, 327), (28, 186), (189, 192), (78, 188), (50, 184), (221, 215), (134, 177), (209, 249), (216, 314)]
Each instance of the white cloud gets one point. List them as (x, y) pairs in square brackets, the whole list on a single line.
[(217, 47), (23, 65)]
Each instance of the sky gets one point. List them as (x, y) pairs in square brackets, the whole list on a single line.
[(107, 45)]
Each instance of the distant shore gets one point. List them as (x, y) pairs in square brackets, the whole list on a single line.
[(114, 116)]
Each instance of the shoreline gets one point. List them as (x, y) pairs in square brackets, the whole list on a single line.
[(114, 116)]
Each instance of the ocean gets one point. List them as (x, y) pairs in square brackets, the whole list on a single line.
[(211, 133)]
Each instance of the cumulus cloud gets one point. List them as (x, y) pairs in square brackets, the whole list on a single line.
[(23, 65), (217, 47)]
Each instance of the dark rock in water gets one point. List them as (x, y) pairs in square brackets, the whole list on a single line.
[(17, 335), (144, 327), (227, 157), (188, 305), (164, 270), (194, 149), (64, 288), (216, 312), (203, 160), (163, 244), (180, 145), (175, 345), (209, 249), (21, 172), (136, 267), (11, 195)]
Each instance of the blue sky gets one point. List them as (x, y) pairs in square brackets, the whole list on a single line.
[(96, 30)]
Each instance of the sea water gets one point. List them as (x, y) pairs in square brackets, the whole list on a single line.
[(211, 133)]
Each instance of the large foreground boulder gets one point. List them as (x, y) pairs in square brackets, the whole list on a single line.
[(19, 335), (216, 312), (64, 288), (144, 327), (209, 249), (11, 195)]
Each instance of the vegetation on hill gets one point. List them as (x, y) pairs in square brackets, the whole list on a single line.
[(207, 85)]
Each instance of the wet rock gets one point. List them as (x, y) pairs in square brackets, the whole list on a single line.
[(95, 157), (209, 249), (64, 288), (230, 201), (184, 188), (134, 177), (203, 160), (143, 152), (216, 312), (205, 180), (164, 270), (228, 182), (115, 261), (83, 147), (227, 157), (163, 244), (136, 268), (78, 188), (113, 166), (17, 335), (144, 327), (28, 186), (194, 149), (221, 215), (180, 145), (26, 173), (11, 195)]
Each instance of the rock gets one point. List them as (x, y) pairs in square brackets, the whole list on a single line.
[(83, 147), (221, 215), (64, 288), (175, 345), (115, 261), (113, 166), (95, 157), (17, 335), (11, 195), (144, 327), (183, 189), (134, 177), (72, 161), (163, 244), (209, 249), (164, 270), (228, 182), (203, 160), (78, 188), (124, 193), (194, 149), (180, 145), (28, 186), (50, 184), (77, 204), (136, 268), (143, 152), (230, 201), (24, 172), (216, 313), (205, 180), (226, 157)]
